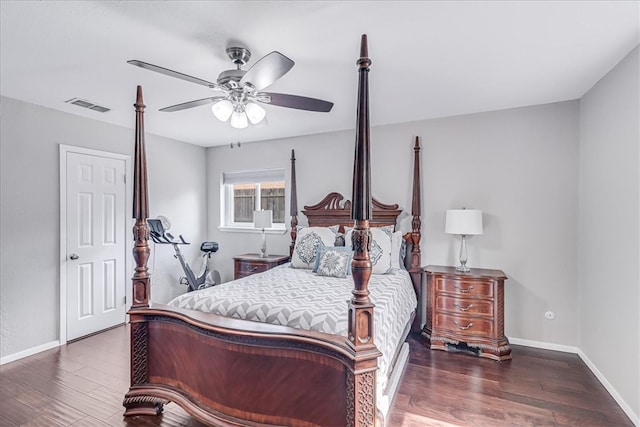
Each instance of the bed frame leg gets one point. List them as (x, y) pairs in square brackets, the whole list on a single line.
[(143, 405), (361, 399)]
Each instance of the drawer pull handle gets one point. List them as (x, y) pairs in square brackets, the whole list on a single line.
[(463, 308), (465, 290), (470, 325), (251, 268)]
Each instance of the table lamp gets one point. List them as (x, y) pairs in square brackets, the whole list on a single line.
[(263, 219), (465, 222)]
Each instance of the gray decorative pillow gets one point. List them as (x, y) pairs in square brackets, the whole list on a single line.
[(308, 240), (334, 261)]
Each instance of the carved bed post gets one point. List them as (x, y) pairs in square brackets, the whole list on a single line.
[(140, 212), (140, 405), (416, 268), (294, 204), (361, 384)]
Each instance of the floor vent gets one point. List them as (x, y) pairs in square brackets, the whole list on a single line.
[(87, 104)]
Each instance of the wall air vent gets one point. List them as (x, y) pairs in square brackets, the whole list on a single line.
[(87, 104)]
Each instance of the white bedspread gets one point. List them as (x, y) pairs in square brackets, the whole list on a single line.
[(301, 299)]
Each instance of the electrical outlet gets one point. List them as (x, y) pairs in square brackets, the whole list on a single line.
[(550, 315)]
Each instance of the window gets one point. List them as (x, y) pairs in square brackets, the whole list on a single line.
[(247, 191)]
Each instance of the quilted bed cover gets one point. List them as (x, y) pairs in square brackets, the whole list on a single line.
[(302, 299)]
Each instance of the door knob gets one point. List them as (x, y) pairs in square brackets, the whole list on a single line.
[(73, 256)]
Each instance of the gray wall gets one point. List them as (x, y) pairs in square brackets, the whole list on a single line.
[(30, 210), (609, 253), (177, 190), (519, 166)]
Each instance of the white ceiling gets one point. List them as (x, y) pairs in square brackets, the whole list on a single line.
[(430, 59)]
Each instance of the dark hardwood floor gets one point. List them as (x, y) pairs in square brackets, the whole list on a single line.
[(82, 384)]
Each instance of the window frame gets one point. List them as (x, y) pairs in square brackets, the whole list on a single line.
[(256, 177)]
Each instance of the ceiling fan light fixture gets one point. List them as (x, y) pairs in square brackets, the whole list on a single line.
[(241, 89), (255, 113), (222, 110), (239, 119)]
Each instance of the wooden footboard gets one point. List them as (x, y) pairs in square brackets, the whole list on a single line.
[(234, 372)]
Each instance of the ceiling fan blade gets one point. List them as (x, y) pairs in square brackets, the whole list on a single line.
[(171, 73), (191, 104), (298, 102), (267, 70)]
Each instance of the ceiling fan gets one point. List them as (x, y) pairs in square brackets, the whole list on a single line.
[(241, 90)]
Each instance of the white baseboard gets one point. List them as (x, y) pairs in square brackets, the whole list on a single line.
[(575, 350), (544, 345), (612, 391), (29, 352)]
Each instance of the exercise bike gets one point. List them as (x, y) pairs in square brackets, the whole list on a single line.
[(160, 236)]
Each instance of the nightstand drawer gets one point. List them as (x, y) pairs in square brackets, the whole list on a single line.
[(470, 326), (464, 305), (248, 264), (247, 268), (466, 287)]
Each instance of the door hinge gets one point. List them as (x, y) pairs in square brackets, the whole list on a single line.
[(124, 300)]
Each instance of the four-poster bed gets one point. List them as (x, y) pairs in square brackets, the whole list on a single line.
[(229, 371)]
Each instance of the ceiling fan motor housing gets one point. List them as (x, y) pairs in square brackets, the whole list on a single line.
[(239, 55), (230, 76)]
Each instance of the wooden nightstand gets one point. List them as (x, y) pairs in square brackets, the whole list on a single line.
[(465, 311), (248, 264)]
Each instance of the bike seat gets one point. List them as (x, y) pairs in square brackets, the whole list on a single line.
[(209, 247)]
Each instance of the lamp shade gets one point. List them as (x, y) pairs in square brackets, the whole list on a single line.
[(464, 221), (262, 219)]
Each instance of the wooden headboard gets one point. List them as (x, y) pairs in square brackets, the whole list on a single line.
[(333, 211)]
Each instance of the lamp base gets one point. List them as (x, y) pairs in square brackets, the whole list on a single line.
[(463, 268), (463, 256), (263, 249)]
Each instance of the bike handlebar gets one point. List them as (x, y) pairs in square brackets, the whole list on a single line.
[(167, 239)]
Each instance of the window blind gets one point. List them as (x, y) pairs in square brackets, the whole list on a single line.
[(253, 176)]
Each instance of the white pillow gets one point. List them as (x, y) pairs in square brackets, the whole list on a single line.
[(307, 241), (380, 252), (396, 247)]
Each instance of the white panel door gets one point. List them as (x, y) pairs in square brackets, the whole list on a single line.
[(95, 246)]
